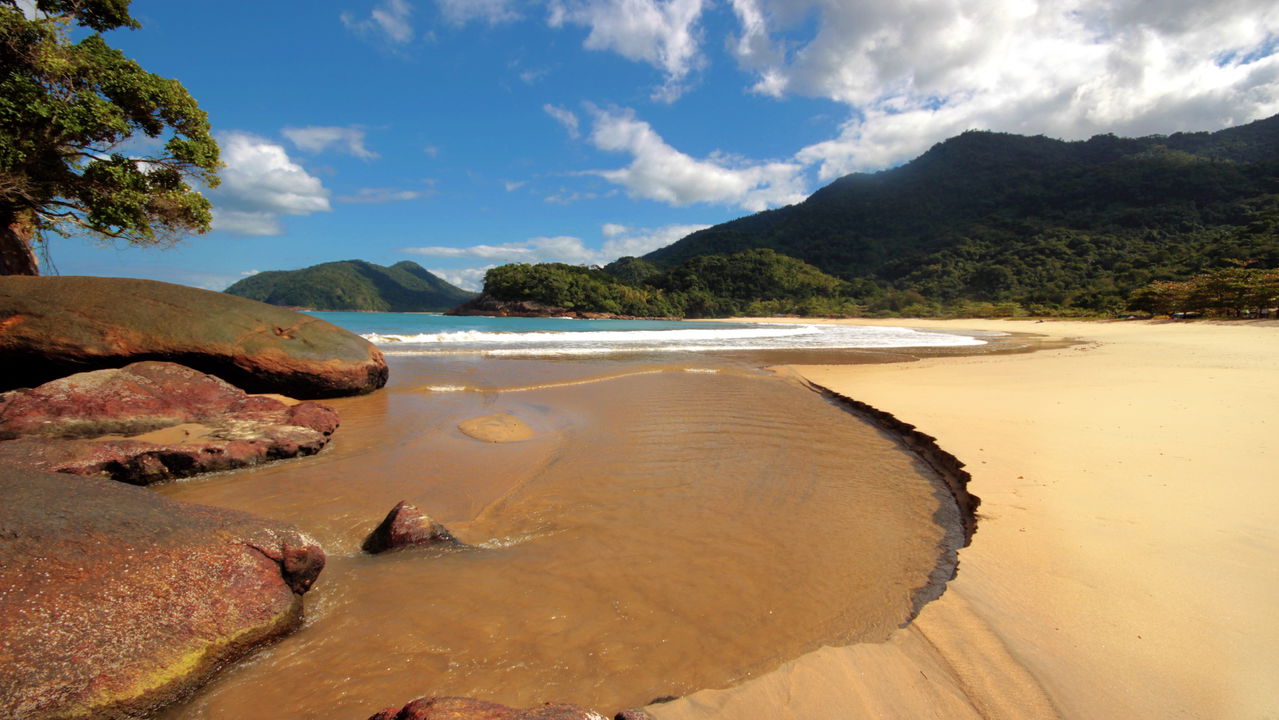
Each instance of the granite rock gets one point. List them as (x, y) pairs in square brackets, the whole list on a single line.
[(56, 326), (114, 601), (153, 421), (406, 526)]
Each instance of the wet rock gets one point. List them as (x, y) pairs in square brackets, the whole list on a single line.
[(55, 326), (115, 601), (454, 708), (153, 421), (406, 526)]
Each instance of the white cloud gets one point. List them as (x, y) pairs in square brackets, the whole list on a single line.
[(562, 248), (492, 12), (379, 196), (465, 278), (915, 73), (565, 117), (388, 21), (620, 241), (662, 33), (623, 241), (259, 184), (660, 172), (316, 139), (513, 185)]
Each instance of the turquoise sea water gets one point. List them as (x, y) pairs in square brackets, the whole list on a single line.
[(428, 334)]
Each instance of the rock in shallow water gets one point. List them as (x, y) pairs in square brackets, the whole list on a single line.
[(153, 421), (406, 526), (114, 600), (455, 708), (55, 326)]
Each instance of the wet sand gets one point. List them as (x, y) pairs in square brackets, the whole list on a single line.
[(648, 530), (1126, 564)]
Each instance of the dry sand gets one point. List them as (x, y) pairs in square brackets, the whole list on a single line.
[(1126, 564)]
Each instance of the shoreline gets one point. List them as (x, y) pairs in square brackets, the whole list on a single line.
[(1124, 561)]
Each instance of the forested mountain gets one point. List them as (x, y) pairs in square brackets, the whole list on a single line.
[(1045, 223), (354, 285), (751, 282)]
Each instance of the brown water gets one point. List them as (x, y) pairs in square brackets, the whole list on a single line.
[(665, 530)]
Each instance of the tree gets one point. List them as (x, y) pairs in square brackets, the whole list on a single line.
[(72, 113)]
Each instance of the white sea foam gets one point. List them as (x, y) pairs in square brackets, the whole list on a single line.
[(703, 338), (630, 337)]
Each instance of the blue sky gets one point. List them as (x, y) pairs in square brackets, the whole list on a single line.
[(466, 133)]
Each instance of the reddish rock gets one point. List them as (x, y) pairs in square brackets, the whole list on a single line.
[(454, 708), (406, 526), (153, 421), (55, 326), (114, 600)]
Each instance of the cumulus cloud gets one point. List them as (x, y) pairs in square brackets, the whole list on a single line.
[(260, 183), (662, 33), (389, 21), (914, 73), (565, 117), (460, 12), (660, 172), (349, 140)]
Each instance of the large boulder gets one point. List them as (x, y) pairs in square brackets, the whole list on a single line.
[(153, 421), (114, 600), (56, 326)]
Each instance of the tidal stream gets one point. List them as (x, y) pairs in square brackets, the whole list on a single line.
[(669, 527)]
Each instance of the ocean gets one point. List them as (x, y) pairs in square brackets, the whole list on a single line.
[(406, 334)]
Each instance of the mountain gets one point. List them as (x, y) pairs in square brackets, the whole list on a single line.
[(354, 285), (1000, 217)]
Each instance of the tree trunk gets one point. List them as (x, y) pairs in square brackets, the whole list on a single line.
[(17, 229)]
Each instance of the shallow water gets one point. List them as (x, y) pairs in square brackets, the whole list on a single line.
[(668, 528)]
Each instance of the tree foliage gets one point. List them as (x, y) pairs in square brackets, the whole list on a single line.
[(1230, 292), (89, 140), (749, 282)]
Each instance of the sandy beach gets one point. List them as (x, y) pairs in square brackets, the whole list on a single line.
[(1126, 563)]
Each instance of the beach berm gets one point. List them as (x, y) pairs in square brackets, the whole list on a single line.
[(1127, 556)]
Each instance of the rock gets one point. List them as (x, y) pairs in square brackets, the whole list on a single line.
[(114, 600), (55, 326), (406, 526), (454, 708), (153, 421)]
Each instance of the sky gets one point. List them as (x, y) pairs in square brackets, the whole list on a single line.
[(464, 134)]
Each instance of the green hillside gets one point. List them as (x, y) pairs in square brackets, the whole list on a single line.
[(751, 282), (354, 285), (1045, 223)]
